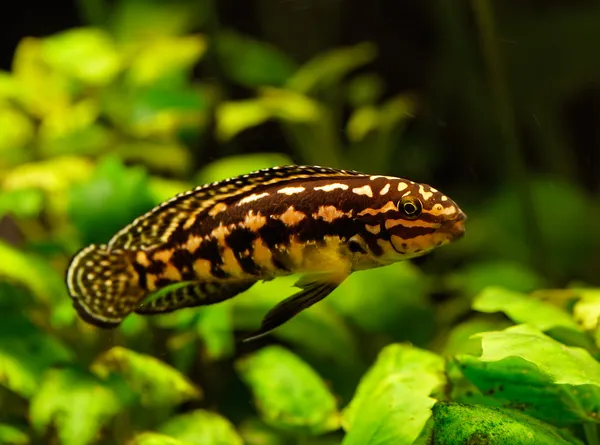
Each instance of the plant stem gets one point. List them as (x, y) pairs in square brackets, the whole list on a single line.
[(515, 167)]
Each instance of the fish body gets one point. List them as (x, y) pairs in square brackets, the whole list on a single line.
[(219, 239)]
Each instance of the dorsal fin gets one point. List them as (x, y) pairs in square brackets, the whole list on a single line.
[(158, 224)]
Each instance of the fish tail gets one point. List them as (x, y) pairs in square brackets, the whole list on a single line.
[(104, 285)]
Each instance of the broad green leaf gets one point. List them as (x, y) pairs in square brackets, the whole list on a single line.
[(169, 157), (328, 69), (41, 90), (306, 330), (250, 62), (256, 432), (587, 310), (86, 54), (510, 275), (25, 353), (421, 370), (23, 203), (476, 424), (9, 435), (113, 197), (522, 308), (201, 427), (394, 413), (141, 21), (231, 166), (391, 300), (162, 189), (32, 272), (75, 403), (233, 117), (524, 368), (287, 392), (155, 382), (461, 338), (17, 132), (160, 111), (363, 121), (163, 57), (155, 439), (215, 328)]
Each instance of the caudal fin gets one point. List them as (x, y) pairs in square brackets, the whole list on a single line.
[(103, 285)]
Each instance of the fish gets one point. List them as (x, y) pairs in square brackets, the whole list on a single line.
[(217, 240)]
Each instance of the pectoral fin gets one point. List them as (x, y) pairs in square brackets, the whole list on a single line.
[(192, 295), (313, 292)]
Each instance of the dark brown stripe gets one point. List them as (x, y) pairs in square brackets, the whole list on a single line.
[(240, 239)]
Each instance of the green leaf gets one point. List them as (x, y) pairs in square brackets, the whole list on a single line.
[(306, 330), (288, 393), (233, 117), (364, 90), (461, 338), (587, 309), (475, 424), (526, 309), (521, 367), (250, 62), (328, 69), (523, 309), (256, 432), (168, 157), (155, 439), (215, 328), (86, 54), (9, 435), (396, 304), (111, 199), (201, 427), (421, 370), (75, 403), (510, 275), (24, 203), (25, 353), (231, 166), (17, 132), (158, 59), (393, 414), (156, 383)]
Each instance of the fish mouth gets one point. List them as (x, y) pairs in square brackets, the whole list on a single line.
[(455, 229)]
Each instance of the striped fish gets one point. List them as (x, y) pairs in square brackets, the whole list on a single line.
[(219, 239)]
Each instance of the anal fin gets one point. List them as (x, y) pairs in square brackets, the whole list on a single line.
[(192, 295), (314, 289)]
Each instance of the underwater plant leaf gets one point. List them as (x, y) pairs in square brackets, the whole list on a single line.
[(10, 435), (231, 166), (160, 58), (76, 403), (396, 306), (288, 393), (25, 354), (149, 438), (32, 272), (250, 62), (523, 368), (215, 327), (86, 54), (329, 68), (113, 197), (305, 331), (394, 413), (458, 423), (420, 370), (156, 383), (522, 308), (201, 427), (544, 316)]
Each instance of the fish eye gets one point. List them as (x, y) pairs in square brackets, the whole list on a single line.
[(411, 206)]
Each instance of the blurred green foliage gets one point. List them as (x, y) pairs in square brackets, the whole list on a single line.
[(101, 123)]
